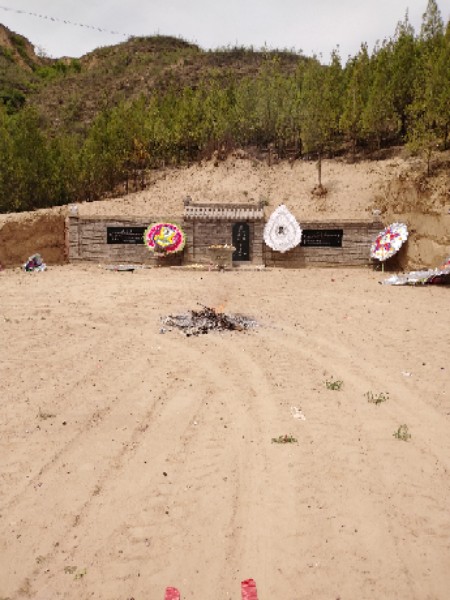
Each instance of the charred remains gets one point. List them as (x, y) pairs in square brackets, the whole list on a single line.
[(198, 322)]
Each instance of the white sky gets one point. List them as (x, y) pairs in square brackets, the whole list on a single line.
[(312, 26)]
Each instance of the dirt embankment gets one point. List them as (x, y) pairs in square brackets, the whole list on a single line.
[(423, 203), (29, 233)]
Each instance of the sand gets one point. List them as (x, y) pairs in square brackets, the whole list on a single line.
[(351, 187), (131, 459)]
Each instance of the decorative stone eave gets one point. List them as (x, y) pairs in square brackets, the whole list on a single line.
[(223, 212)]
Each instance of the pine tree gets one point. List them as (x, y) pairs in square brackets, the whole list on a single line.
[(269, 100), (320, 108), (244, 116), (404, 62), (429, 111), (441, 88), (432, 23), (355, 97), (379, 118), (218, 99)]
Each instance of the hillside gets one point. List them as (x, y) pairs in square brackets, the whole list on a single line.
[(18, 63), (85, 129), (71, 91), (141, 65)]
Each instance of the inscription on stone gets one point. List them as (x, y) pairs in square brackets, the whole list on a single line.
[(241, 241), (125, 235), (331, 238)]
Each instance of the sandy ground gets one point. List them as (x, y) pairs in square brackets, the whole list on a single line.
[(131, 460)]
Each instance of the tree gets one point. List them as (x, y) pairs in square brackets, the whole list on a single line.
[(105, 151), (244, 119), (269, 101), (7, 200), (31, 160), (65, 184), (355, 96), (379, 117), (320, 108), (334, 91), (218, 99), (441, 87), (429, 110), (432, 24), (404, 59)]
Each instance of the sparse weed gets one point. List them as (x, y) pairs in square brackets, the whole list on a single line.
[(284, 439), (70, 569), (80, 574), (45, 415), (334, 384), (402, 433), (377, 398)]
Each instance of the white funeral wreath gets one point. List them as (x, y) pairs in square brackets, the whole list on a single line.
[(282, 231)]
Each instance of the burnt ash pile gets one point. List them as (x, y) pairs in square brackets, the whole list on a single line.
[(198, 322)]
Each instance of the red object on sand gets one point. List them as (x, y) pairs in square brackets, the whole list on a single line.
[(248, 590), (172, 594)]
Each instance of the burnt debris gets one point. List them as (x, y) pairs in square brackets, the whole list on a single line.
[(198, 322)]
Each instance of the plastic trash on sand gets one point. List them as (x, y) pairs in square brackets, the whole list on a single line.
[(297, 413), (441, 276), (35, 263), (248, 590)]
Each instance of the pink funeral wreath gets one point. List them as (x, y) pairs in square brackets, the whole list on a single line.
[(164, 238)]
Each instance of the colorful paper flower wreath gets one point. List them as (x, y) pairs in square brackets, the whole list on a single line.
[(389, 241), (164, 238)]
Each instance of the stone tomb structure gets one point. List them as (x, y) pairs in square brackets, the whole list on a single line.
[(240, 226), (329, 243), (113, 240), (119, 240)]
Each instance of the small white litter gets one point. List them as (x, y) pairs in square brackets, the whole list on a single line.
[(297, 413)]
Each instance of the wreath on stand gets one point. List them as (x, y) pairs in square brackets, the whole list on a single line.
[(164, 239), (388, 242)]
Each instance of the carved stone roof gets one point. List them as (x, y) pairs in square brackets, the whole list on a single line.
[(221, 212)]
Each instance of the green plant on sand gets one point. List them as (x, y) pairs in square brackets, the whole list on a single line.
[(284, 439), (377, 398), (402, 433), (333, 384)]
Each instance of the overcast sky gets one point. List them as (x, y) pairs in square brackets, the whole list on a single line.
[(313, 26)]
